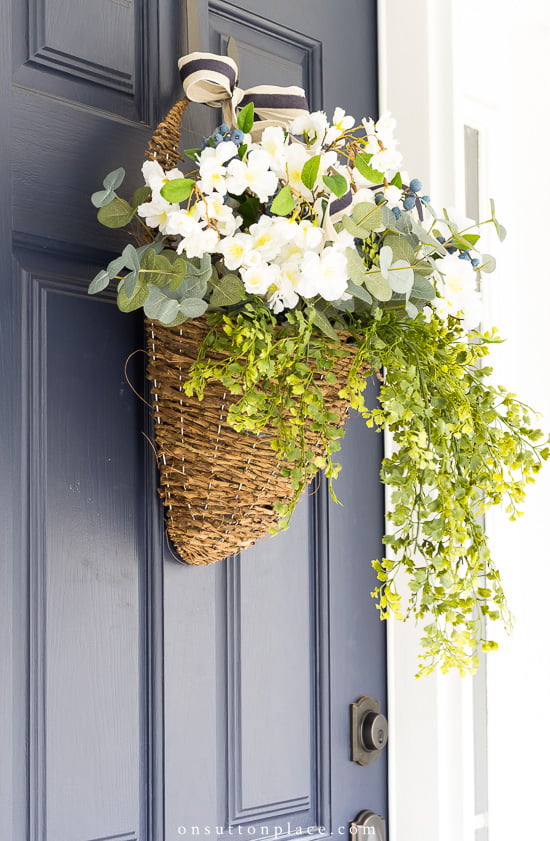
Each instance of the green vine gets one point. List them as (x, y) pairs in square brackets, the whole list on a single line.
[(460, 445)]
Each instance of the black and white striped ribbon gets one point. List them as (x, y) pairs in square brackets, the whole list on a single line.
[(212, 79)]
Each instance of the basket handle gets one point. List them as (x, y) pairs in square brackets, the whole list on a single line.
[(163, 146)]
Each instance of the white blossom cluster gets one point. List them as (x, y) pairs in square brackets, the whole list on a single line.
[(283, 258)]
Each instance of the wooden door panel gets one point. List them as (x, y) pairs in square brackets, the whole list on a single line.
[(86, 603)]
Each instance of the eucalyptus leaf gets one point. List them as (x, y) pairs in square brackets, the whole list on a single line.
[(355, 266), (283, 203), (131, 258), (116, 214), (130, 283), (378, 286), (102, 197), (140, 196), (159, 307), (321, 321), (367, 215), (411, 310), (488, 264), (193, 307), (193, 286), (227, 291), (200, 267), (422, 289), (359, 292), (401, 247), (129, 305), (358, 232), (114, 179), (99, 283), (115, 266)]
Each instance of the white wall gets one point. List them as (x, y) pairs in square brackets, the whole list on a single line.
[(485, 63), (504, 79)]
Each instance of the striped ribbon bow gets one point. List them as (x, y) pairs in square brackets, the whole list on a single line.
[(212, 80)]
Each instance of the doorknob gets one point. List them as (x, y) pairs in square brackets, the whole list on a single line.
[(368, 825), (369, 730)]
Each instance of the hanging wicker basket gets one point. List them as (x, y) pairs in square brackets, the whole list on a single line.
[(219, 487)]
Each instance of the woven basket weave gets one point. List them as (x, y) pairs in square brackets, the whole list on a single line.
[(218, 486)]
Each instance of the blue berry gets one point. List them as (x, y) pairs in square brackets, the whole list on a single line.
[(475, 262), (237, 136), (416, 185), (224, 128), (451, 249), (379, 198), (464, 255), (409, 202), (426, 199), (440, 239), (396, 212)]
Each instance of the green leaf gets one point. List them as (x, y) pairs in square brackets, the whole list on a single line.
[(310, 171), (99, 283), (366, 170), (227, 291), (283, 203), (192, 153), (193, 307), (397, 181), (128, 305), (102, 197), (140, 196), (116, 214), (359, 292), (321, 321), (336, 183), (159, 270), (471, 238), (367, 215), (358, 232), (378, 286), (114, 179), (201, 268), (178, 189), (248, 209), (242, 150), (245, 121)]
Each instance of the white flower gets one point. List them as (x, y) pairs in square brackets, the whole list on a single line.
[(157, 212), (324, 274), (181, 223), (213, 175), (458, 291), (258, 279), (393, 195), (386, 160), (253, 174), (155, 177), (274, 145), (221, 153), (268, 236), (284, 295), (313, 127), (235, 250), (199, 242), (295, 158), (381, 144), (341, 122), (343, 240), (213, 209)]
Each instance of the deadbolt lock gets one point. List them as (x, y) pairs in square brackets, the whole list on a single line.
[(367, 825), (369, 730)]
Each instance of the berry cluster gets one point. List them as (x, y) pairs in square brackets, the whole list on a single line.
[(410, 198), (223, 133), (465, 254)]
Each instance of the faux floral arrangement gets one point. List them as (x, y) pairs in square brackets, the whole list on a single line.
[(294, 240)]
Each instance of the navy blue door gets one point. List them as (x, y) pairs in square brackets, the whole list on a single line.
[(141, 699)]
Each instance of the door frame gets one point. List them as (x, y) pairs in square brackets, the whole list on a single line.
[(431, 746)]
